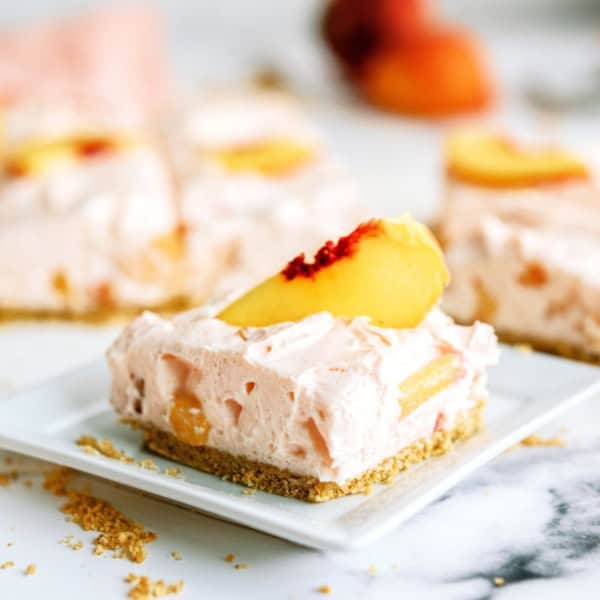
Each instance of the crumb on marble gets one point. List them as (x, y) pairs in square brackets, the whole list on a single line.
[(324, 589), (536, 440), (8, 477), (230, 558), (31, 569), (7, 565), (499, 581), (143, 588), (241, 566), (372, 570), (176, 555), (249, 491), (119, 533)]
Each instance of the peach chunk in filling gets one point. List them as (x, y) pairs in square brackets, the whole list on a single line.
[(428, 381), (187, 418)]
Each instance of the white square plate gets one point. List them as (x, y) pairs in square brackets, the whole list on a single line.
[(527, 391)]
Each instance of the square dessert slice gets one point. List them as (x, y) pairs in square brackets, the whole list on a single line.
[(520, 228), (256, 178), (85, 219), (310, 385)]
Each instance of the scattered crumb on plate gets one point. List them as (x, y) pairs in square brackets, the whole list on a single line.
[(536, 440)]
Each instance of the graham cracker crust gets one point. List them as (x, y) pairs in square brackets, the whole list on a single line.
[(551, 347), (98, 316), (269, 478)]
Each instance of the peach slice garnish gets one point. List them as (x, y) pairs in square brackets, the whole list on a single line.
[(41, 156), (188, 420), (486, 159), (268, 157), (389, 270), (428, 381)]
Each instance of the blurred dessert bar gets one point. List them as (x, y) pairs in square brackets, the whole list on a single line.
[(310, 385), (106, 65), (255, 178), (520, 226), (82, 222)]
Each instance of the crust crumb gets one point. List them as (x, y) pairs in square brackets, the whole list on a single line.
[(118, 533), (230, 558), (523, 348), (105, 447), (176, 556), (174, 472), (324, 589), (536, 440), (241, 566), (145, 589), (499, 581), (6, 478), (31, 570), (148, 464), (57, 479), (7, 565)]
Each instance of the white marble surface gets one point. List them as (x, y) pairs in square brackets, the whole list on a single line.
[(532, 517)]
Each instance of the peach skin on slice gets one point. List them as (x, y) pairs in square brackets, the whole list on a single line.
[(491, 160), (41, 156), (389, 270)]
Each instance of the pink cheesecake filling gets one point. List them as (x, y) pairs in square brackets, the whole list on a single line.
[(542, 284), (320, 397), (81, 237)]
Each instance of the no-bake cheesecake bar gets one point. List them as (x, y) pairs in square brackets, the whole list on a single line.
[(520, 226), (328, 377), (255, 177), (87, 222)]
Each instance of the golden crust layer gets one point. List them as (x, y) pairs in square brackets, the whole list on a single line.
[(98, 316), (268, 478), (557, 347)]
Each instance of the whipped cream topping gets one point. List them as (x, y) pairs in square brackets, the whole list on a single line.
[(561, 303), (319, 396), (77, 237)]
